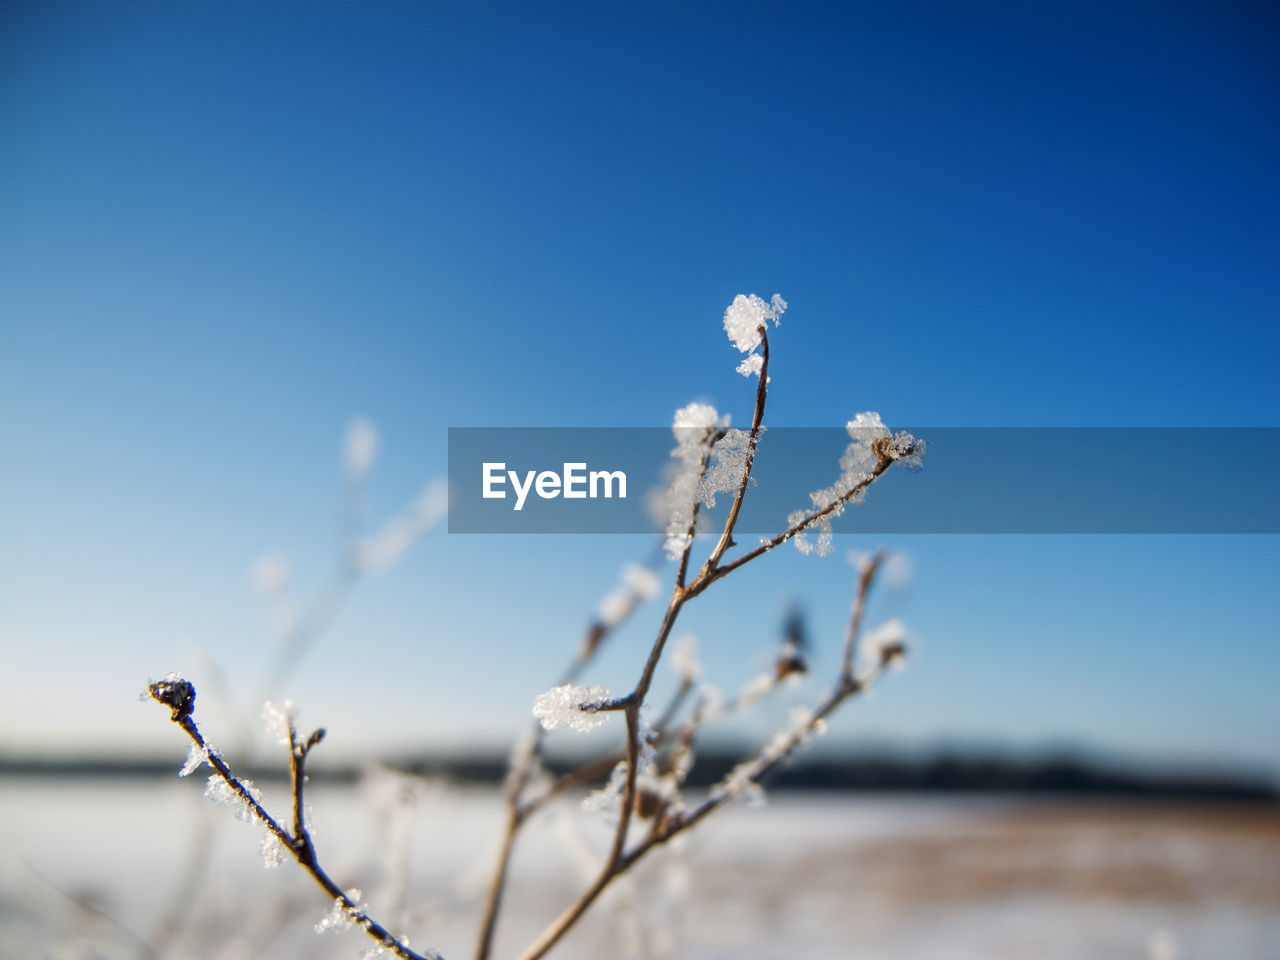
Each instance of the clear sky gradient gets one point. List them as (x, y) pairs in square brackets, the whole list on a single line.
[(226, 230)]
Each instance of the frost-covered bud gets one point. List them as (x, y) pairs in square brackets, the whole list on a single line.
[(572, 705), (883, 647), (790, 662), (743, 321), (176, 694), (746, 315)]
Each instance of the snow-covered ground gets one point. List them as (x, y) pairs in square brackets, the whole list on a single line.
[(101, 868)]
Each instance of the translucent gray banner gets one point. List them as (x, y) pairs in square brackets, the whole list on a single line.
[(973, 480)]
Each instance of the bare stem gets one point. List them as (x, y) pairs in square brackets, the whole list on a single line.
[(865, 579)]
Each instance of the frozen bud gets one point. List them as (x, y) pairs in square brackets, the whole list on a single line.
[(790, 662), (746, 315), (884, 646), (175, 693), (743, 322), (574, 706), (653, 796)]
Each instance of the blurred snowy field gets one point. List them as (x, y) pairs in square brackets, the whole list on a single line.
[(101, 868)]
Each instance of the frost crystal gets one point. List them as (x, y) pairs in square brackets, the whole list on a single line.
[(564, 704), (857, 465), (359, 448), (754, 363), (694, 428), (341, 916), (195, 757), (730, 463), (746, 315), (609, 797), (637, 585), (272, 850), (279, 720), (742, 322), (219, 791)]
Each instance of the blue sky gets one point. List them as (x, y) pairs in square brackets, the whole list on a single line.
[(228, 230)]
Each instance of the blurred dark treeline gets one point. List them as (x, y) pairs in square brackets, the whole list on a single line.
[(949, 771)]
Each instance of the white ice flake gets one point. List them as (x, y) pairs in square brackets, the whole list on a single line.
[(746, 315), (564, 704), (857, 466), (272, 850), (754, 363), (608, 798), (341, 916), (742, 322), (195, 757), (694, 427), (728, 464), (279, 720), (219, 791)]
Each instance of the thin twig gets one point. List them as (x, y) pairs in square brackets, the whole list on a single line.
[(179, 696)]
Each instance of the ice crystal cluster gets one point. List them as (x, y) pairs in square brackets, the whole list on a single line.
[(340, 915), (857, 466), (272, 851), (219, 791), (608, 799), (279, 720), (742, 322), (570, 705), (695, 428), (741, 783), (195, 757), (728, 464)]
